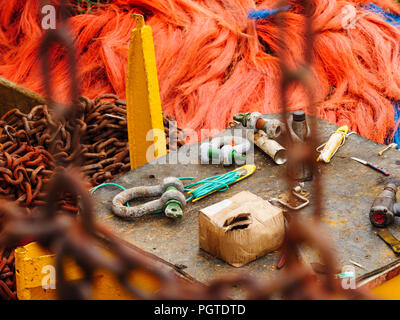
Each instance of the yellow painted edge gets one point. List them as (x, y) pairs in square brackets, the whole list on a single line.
[(389, 290), (30, 259), (144, 112), (154, 90)]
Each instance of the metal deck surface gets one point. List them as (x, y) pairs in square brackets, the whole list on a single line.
[(349, 190)]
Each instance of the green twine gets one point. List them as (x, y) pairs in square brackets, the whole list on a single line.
[(108, 184), (211, 184)]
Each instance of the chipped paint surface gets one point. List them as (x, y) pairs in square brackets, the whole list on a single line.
[(31, 259)]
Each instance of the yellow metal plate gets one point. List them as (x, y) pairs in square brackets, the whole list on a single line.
[(34, 267)]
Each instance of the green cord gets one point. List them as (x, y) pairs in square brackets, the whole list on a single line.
[(108, 184), (212, 184)]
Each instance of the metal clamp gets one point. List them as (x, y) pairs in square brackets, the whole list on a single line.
[(171, 201)]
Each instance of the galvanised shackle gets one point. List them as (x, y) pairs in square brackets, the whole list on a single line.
[(172, 200)]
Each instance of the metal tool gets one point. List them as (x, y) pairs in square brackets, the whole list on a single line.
[(373, 166), (384, 207), (382, 213), (272, 127), (390, 146), (172, 200)]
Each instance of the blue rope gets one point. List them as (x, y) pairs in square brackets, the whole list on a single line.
[(394, 20), (262, 14), (396, 137), (391, 18), (211, 184)]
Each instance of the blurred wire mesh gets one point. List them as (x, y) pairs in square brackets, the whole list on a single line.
[(63, 154)]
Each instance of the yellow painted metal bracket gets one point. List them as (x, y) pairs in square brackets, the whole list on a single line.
[(390, 240), (36, 278), (147, 139)]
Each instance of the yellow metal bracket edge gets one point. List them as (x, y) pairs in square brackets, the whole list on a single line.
[(146, 133)]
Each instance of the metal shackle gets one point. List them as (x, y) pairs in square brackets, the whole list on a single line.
[(222, 150), (171, 201)]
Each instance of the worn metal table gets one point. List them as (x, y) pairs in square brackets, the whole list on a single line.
[(349, 190)]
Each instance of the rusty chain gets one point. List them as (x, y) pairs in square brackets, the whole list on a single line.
[(103, 132), (73, 136), (26, 167)]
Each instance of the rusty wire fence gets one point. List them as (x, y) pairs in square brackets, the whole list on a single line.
[(82, 239)]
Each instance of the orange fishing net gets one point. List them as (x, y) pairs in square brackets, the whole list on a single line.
[(214, 62)]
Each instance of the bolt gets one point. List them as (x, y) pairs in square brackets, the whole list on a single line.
[(390, 146)]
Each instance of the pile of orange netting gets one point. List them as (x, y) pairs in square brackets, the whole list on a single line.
[(214, 62)]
